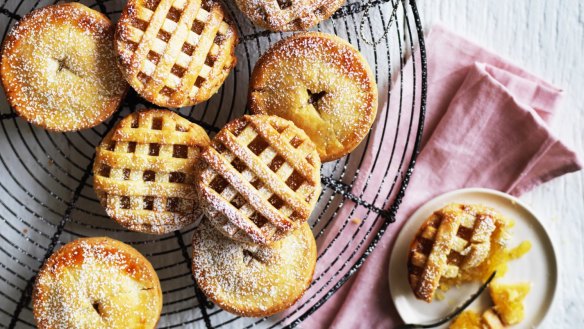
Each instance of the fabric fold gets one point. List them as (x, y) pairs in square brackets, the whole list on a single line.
[(486, 126)]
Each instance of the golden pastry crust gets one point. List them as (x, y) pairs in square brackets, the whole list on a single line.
[(97, 283), (452, 241), (259, 179), (252, 280), (322, 84), (144, 171), (58, 68), (175, 53), (288, 15)]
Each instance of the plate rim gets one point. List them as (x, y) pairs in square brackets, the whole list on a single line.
[(488, 191)]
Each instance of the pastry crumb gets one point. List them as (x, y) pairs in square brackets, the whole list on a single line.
[(356, 221)]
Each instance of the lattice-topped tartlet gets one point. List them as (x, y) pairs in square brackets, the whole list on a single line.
[(175, 53), (288, 15), (458, 243), (143, 171), (259, 179)]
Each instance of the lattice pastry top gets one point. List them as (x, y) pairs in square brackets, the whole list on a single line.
[(454, 239), (259, 179), (175, 53), (288, 15), (143, 171)]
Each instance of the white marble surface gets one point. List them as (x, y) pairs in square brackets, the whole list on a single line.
[(546, 38)]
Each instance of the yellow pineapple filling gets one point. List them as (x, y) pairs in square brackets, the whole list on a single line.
[(467, 320), (472, 320), (489, 255), (497, 259), (508, 309), (508, 300)]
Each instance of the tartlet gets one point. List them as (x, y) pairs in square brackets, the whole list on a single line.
[(259, 179), (175, 53), (321, 83), (59, 68), (252, 280), (97, 283), (144, 171), (288, 15)]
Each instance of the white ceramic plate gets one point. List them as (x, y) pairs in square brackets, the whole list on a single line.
[(538, 266)]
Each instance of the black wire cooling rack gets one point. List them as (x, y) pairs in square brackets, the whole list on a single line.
[(46, 190)]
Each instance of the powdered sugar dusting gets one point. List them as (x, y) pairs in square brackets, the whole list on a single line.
[(176, 53), (253, 280), (58, 68), (144, 171), (322, 84), (288, 15), (452, 244), (97, 282), (259, 179)]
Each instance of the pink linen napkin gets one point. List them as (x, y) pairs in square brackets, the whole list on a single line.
[(486, 126)]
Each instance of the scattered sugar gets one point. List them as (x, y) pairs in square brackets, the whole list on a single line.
[(295, 69), (247, 278), (164, 215), (288, 15), (134, 51), (61, 71), (220, 210), (92, 281)]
